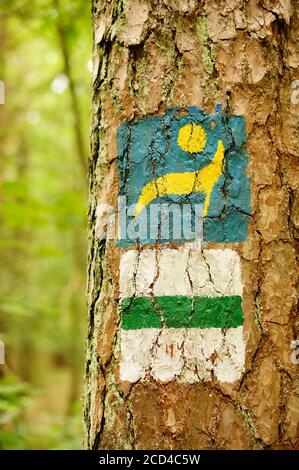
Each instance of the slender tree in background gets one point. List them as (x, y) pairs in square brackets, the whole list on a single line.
[(63, 35), (191, 346), (73, 300)]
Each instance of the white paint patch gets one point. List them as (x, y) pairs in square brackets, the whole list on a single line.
[(136, 347), (186, 354), (225, 270), (182, 271), (172, 276), (167, 358)]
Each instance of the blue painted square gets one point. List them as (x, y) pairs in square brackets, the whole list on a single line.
[(149, 150)]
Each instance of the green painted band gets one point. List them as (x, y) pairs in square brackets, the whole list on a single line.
[(181, 312)]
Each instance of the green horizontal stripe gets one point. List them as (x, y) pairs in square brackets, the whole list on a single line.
[(181, 312)]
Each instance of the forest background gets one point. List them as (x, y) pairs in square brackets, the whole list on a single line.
[(45, 68)]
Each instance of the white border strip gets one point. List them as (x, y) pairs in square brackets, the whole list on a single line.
[(183, 271), (186, 354)]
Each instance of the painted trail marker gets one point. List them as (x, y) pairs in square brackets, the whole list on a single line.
[(181, 304), (179, 307), (184, 158)]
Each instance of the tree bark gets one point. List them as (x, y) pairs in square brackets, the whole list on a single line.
[(151, 56)]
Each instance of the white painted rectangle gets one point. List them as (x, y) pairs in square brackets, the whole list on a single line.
[(182, 271), (188, 354)]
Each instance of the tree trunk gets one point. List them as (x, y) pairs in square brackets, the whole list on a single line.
[(191, 343)]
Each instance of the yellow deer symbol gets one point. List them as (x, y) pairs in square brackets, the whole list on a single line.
[(191, 138)]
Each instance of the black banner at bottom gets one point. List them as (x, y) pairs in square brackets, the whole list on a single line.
[(138, 459)]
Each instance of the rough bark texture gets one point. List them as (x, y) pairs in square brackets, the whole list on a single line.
[(148, 56)]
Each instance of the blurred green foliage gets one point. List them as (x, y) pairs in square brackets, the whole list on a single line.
[(45, 52), (14, 399)]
